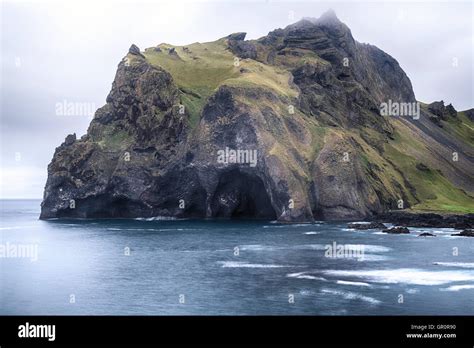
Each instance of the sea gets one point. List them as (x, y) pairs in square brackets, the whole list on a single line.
[(158, 266)]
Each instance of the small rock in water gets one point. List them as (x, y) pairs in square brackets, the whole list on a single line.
[(365, 225), (465, 233), (397, 230), (426, 234)]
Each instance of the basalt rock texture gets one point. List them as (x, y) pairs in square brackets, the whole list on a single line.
[(286, 127), (403, 218), (396, 230)]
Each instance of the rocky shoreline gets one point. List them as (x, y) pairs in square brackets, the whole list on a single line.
[(441, 220), (402, 220)]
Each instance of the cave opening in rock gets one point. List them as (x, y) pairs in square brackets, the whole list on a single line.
[(243, 196)]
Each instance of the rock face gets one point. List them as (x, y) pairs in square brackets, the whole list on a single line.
[(397, 230), (429, 219), (465, 233), (470, 114), (134, 50), (442, 111), (241, 48), (426, 234), (286, 127)]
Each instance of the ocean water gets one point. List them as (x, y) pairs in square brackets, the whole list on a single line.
[(222, 267)]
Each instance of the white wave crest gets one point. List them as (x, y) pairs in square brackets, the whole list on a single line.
[(239, 264), (458, 287), (157, 218), (345, 282), (455, 264), (351, 296), (406, 275), (303, 275)]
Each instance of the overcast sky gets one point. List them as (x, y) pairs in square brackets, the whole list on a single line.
[(67, 51)]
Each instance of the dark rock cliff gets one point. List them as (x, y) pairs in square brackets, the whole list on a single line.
[(302, 105)]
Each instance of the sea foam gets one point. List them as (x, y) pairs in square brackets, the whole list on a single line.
[(406, 275)]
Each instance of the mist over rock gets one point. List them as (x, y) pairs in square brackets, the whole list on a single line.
[(286, 127)]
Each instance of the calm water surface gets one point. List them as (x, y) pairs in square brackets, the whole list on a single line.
[(196, 261)]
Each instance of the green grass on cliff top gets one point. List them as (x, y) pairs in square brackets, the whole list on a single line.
[(199, 69)]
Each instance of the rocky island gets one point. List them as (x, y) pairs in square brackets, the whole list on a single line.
[(304, 123)]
